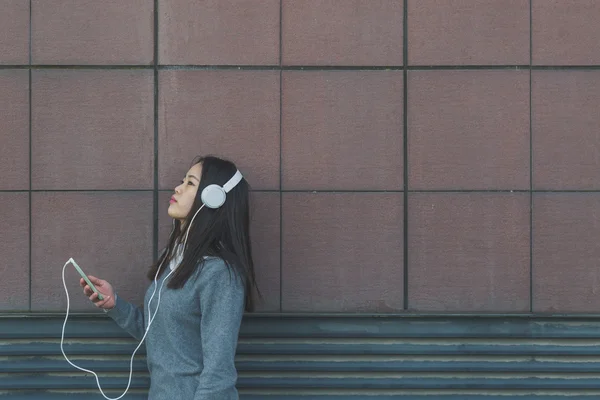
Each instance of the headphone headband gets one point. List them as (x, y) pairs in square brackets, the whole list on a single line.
[(235, 179)]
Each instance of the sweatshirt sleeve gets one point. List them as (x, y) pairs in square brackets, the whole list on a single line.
[(222, 308), (128, 317)]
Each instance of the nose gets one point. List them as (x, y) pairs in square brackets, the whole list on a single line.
[(178, 189)]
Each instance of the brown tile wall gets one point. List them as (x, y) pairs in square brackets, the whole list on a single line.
[(405, 155)]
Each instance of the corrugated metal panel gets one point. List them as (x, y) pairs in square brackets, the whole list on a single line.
[(327, 357)]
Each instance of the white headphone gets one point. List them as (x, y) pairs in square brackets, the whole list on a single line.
[(213, 196)]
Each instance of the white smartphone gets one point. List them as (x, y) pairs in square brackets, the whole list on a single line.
[(84, 276)]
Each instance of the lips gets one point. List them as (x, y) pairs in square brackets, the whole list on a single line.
[(172, 200)]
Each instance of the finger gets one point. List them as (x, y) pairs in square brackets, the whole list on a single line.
[(87, 291), (94, 297), (102, 303), (95, 281), (82, 282)]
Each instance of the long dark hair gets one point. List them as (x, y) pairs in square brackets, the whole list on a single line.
[(223, 232)]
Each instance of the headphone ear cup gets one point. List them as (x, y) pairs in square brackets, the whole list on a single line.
[(213, 196)]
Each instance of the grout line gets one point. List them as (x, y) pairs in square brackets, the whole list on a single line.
[(310, 67), (280, 156), (530, 160), (557, 191), (405, 154), (155, 191), (30, 161)]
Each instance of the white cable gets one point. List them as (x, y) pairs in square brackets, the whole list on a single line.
[(62, 337), (190, 225)]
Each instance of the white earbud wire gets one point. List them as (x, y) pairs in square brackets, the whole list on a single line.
[(62, 337)]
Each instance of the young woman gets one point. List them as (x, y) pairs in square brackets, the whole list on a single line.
[(201, 285)]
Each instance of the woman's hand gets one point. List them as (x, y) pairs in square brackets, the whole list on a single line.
[(104, 288)]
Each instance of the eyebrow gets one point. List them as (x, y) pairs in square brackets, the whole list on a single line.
[(192, 176)]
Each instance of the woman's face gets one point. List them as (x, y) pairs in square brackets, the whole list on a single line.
[(181, 202)]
